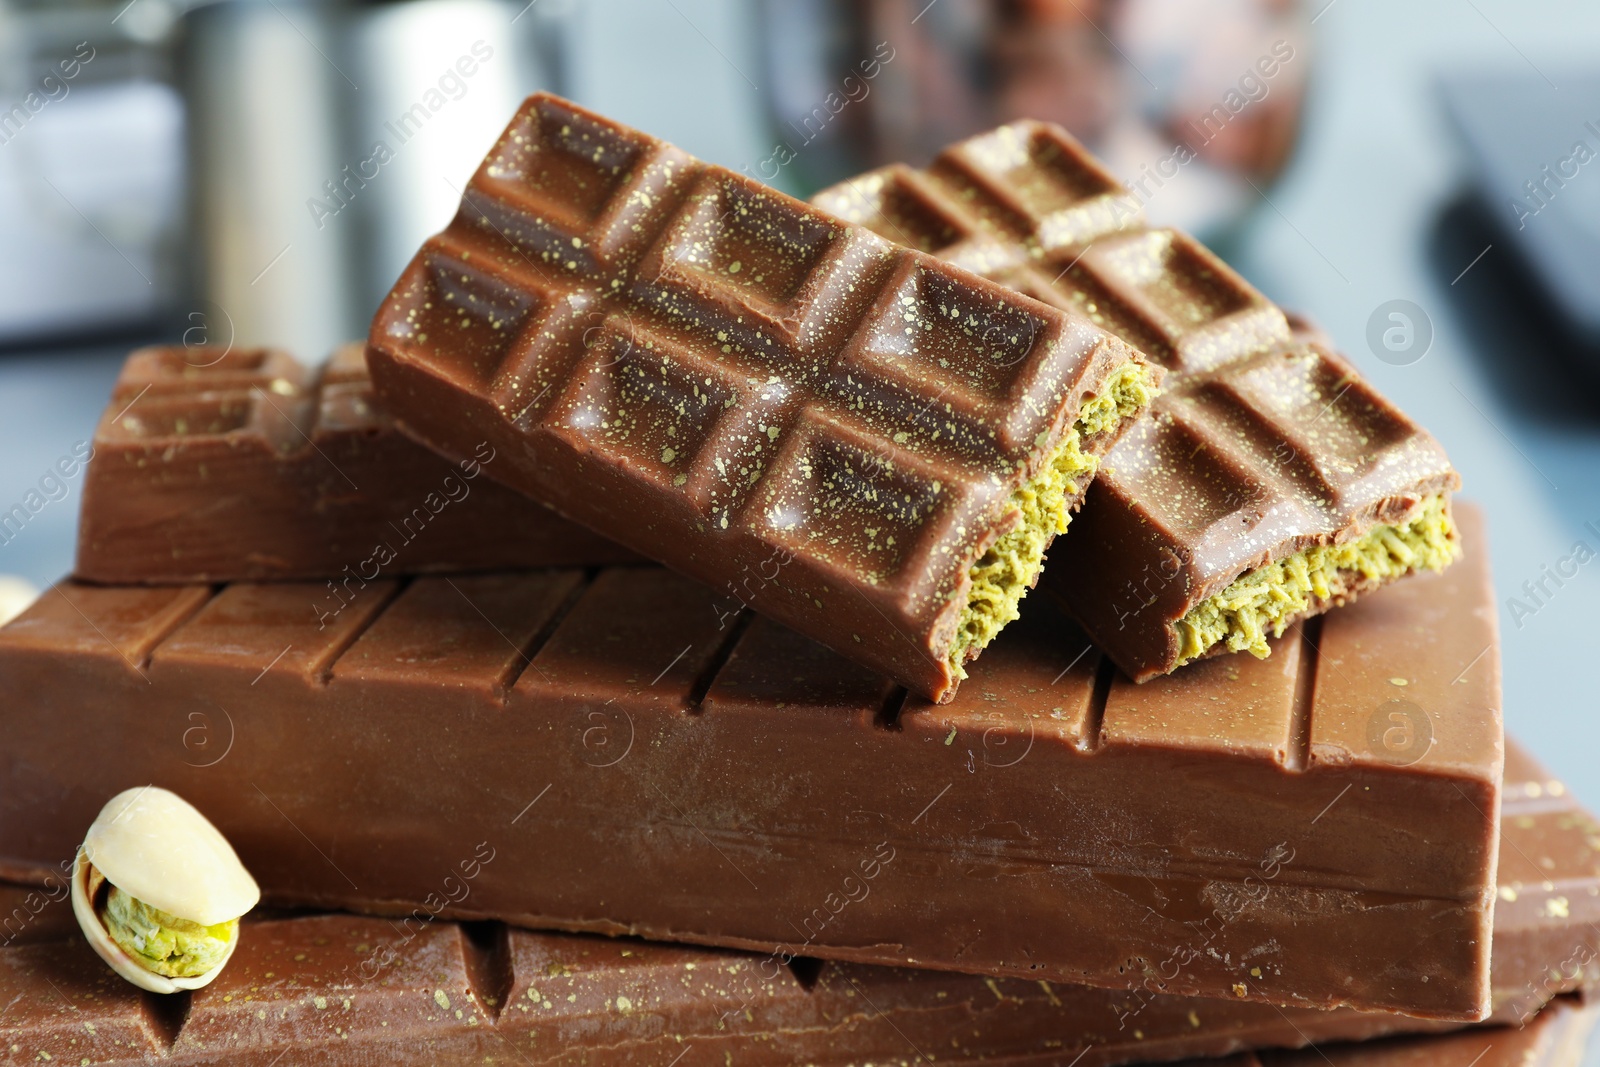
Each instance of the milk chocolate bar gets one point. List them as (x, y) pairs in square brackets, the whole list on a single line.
[(1271, 482), (859, 441), (327, 986), (1547, 917), (1545, 946), (1319, 828), (1562, 1035), (215, 465)]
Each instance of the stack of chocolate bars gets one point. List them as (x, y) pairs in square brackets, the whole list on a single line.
[(624, 657)]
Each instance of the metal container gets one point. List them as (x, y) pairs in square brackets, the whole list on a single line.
[(326, 141), (265, 95)]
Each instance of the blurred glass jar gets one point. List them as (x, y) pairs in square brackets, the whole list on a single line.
[(1213, 91)]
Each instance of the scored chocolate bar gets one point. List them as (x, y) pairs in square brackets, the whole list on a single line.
[(1271, 481), (652, 997), (420, 991), (1561, 1036), (215, 465), (1318, 828), (861, 442), (1547, 917)]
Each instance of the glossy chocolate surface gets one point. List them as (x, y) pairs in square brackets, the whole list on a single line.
[(215, 465), (640, 762), (783, 406), (323, 980), (1560, 1036), (1262, 444)]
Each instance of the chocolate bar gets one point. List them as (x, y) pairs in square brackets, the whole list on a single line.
[(1547, 917), (1560, 1036), (307, 973), (337, 986), (861, 442), (1318, 829), (1270, 483), (214, 465)]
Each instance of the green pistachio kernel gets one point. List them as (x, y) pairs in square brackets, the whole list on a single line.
[(1002, 577), (163, 943)]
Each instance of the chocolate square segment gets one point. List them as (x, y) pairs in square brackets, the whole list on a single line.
[(903, 208), (872, 514), (1203, 312), (1041, 181), (191, 368), (215, 415), (679, 358), (740, 241), (964, 356), (474, 315), (1198, 493), (660, 409), (1329, 416), (570, 189), (759, 276), (902, 205)]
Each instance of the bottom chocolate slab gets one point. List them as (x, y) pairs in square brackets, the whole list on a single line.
[(1563, 1035), (442, 992), (339, 989)]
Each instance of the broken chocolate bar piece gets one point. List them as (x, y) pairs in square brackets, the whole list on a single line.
[(214, 465), (861, 442), (1317, 829), (1271, 481)]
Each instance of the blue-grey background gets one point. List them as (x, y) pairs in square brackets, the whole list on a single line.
[(1371, 210)]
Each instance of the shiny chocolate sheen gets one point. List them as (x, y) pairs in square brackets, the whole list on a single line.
[(638, 762), (783, 406), (338, 989), (308, 973), (1263, 444), (222, 465)]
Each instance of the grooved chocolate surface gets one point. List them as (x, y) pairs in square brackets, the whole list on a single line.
[(215, 465), (790, 409), (309, 982), (639, 763), (1262, 444)]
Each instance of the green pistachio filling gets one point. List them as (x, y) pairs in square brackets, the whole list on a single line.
[(1002, 577), (166, 944), (1266, 600)]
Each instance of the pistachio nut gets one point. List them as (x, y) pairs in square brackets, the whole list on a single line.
[(159, 891), (16, 594)]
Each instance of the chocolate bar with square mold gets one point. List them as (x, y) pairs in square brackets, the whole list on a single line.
[(530, 990), (1271, 482), (861, 442), (217, 465), (1563, 1035), (1318, 828)]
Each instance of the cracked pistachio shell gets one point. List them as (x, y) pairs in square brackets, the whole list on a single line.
[(86, 885), (153, 845), (156, 847)]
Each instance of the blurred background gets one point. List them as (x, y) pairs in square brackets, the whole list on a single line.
[(1421, 179)]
